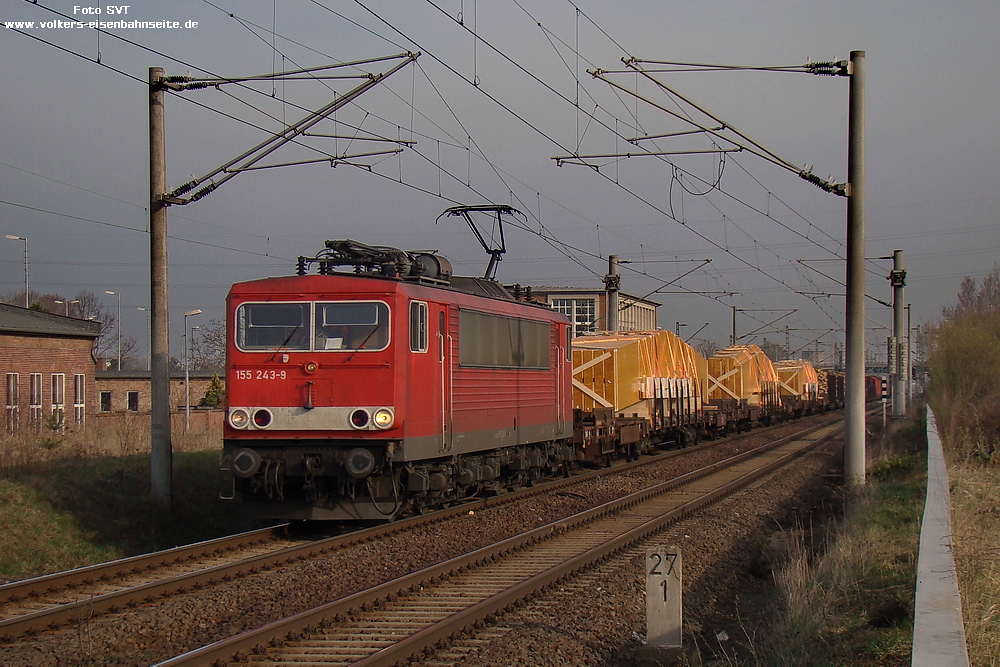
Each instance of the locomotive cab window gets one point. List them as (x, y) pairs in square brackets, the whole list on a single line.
[(418, 326), (352, 325), (272, 326)]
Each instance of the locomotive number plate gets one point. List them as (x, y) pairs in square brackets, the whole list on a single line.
[(261, 374)]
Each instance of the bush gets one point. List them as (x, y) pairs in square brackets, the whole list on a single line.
[(965, 372), (214, 394)]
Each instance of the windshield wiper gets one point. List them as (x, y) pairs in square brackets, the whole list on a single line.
[(355, 351)]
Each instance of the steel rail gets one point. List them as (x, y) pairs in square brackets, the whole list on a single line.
[(275, 634), (18, 590), (86, 605)]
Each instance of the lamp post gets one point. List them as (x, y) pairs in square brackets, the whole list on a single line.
[(677, 328), (118, 325), (187, 371), (21, 238), (66, 304), (146, 310)]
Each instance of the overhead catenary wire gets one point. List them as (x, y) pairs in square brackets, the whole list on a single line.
[(552, 239)]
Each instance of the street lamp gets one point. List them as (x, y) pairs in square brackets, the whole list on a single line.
[(146, 310), (187, 371), (21, 238), (677, 328), (66, 304), (118, 325)]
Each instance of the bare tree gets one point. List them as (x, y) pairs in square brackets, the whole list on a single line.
[(208, 348), (706, 348)]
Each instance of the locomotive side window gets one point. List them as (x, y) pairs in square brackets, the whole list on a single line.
[(502, 342), (352, 325), (418, 326), (272, 326)]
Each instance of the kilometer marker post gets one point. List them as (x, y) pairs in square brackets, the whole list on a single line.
[(663, 599)]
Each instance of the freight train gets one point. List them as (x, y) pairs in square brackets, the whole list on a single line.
[(374, 383)]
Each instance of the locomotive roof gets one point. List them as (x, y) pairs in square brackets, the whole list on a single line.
[(476, 286)]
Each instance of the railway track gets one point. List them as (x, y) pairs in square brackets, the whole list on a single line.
[(46, 603), (32, 605), (404, 617)]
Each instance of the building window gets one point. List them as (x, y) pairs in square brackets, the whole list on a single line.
[(35, 401), (581, 313), (58, 400), (418, 326), (13, 399), (636, 316), (79, 398), (132, 401), (105, 401)]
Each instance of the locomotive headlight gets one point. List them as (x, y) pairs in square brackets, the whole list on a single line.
[(239, 418), (310, 367), (262, 418), (383, 418), (360, 418)]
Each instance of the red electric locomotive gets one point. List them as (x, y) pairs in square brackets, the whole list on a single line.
[(389, 387)]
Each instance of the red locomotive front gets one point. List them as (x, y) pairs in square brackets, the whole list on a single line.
[(358, 395)]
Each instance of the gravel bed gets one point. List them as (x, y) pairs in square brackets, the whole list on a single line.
[(599, 617), (158, 630)]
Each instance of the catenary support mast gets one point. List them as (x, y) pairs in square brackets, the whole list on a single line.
[(161, 456), (854, 445)]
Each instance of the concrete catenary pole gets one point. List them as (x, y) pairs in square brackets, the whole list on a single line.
[(897, 278), (161, 456), (909, 358), (732, 339), (612, 283), (854, 445)]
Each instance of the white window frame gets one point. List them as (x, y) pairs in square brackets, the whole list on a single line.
[(13, 400), (58, 400), (35, 411), (79, 398)]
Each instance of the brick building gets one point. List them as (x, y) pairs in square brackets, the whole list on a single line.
[(48, 362), (129, 391)]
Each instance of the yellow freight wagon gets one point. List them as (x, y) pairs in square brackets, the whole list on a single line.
[(798, 384), (649, 374), (743, 377)]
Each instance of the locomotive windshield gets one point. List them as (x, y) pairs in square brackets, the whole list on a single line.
[(352, 325), (270, 326), (323, 326)]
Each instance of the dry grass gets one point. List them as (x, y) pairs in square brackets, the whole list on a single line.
[(123, 434), (976, 526), (843, 592), (76, 497)]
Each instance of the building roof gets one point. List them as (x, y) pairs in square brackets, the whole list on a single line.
[(590, 291), (112, 374), (18, 320)]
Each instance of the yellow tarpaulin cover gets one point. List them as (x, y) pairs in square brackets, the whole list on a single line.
[(743, 373), (797, 377), (622, 369)]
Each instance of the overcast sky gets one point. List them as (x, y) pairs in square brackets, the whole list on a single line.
[(501, 88)]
